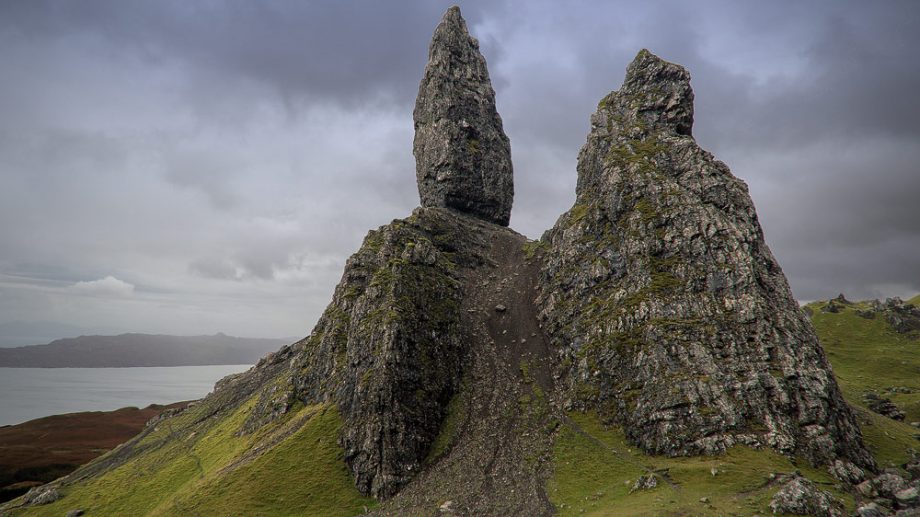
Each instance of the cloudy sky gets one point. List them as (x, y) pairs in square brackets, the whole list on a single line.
[(194, 167)]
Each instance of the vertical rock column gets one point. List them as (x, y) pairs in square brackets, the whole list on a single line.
[(462, 156)]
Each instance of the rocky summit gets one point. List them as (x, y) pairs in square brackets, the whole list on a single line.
[(461, 369), (463, 158)]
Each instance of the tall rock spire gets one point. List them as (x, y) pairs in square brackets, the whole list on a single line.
[(462, 156)]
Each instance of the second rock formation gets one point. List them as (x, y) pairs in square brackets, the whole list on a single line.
[(462, 156)]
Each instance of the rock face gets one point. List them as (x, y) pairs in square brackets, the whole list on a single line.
[(387, 351), (463, 158), (670, 314)]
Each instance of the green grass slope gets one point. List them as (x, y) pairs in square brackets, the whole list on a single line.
[(595, 468), (294, 467), (867, 354)]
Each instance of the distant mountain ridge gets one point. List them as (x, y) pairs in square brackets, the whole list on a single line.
[(25, 333), (128, 350)]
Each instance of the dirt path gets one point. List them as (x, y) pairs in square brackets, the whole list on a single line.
[(499, 460)]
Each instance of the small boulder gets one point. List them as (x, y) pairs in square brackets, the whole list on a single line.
[(866, 314), (799, 496), (842, 299), (871, 510), (847, 472), (645, 482), (831, 307), (908, 498), (42, 495), (882, 406), (913, 468), (867, 489), (500, 308), (888, 483), (75, 513)]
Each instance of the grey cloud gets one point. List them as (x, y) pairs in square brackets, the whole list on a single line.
[(215, 268), (226, 157), (355, 53)]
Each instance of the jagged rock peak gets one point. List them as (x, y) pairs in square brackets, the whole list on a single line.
[(462, 156), (659, 92), (672, 315)]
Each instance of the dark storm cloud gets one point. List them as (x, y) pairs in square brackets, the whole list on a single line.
[(352, 52), (219, 160)]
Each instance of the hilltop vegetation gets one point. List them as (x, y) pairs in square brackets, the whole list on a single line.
[(868, 355)]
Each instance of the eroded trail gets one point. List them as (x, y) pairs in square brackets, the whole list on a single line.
[(499, 431)]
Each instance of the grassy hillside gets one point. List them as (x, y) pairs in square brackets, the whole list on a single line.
[(867, 354), (295, 466), (38, 451), (595, 468)]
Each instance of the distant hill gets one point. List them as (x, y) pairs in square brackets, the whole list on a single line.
[(24, 333), (139, 350)]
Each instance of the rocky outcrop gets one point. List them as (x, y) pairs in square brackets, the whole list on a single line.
[(800, 496), (670, 314), (903, 317), (462, 156), (891, 490), (388, 349), (883, 406), (41, 495)]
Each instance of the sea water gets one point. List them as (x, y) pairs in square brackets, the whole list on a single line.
[(29, 393)]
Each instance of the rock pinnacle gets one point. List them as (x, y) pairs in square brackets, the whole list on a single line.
[(658, 92), (462, 156)]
